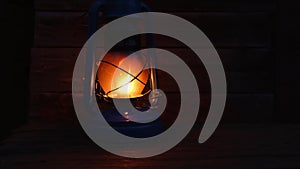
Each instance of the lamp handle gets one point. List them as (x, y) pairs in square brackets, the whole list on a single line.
[(93, 16), (150, 37), (151, 44), (90, 66)]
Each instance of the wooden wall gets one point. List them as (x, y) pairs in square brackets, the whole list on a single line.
[(243, 33)]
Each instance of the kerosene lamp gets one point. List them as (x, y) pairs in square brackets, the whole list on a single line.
[(122, 77)]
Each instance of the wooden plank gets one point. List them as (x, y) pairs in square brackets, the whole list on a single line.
[(52, 68), (239, 107), (208, 5), (237, 82), (246, 70), (57, 106), (166, 5), (235, 59), (69, 29)]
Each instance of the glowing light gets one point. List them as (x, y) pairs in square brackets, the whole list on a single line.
[(121, 76)]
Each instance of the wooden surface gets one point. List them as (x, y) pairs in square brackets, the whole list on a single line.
[(243, 146)]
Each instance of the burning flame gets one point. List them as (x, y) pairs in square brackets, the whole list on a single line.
[(117, 72)]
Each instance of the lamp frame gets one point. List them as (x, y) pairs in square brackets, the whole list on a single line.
[(113, 9)]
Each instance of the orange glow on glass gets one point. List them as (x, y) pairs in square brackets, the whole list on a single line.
[(116, 75)]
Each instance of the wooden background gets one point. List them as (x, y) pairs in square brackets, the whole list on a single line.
[(242, 32)]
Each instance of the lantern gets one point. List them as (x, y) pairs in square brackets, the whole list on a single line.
[(121, 74)]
